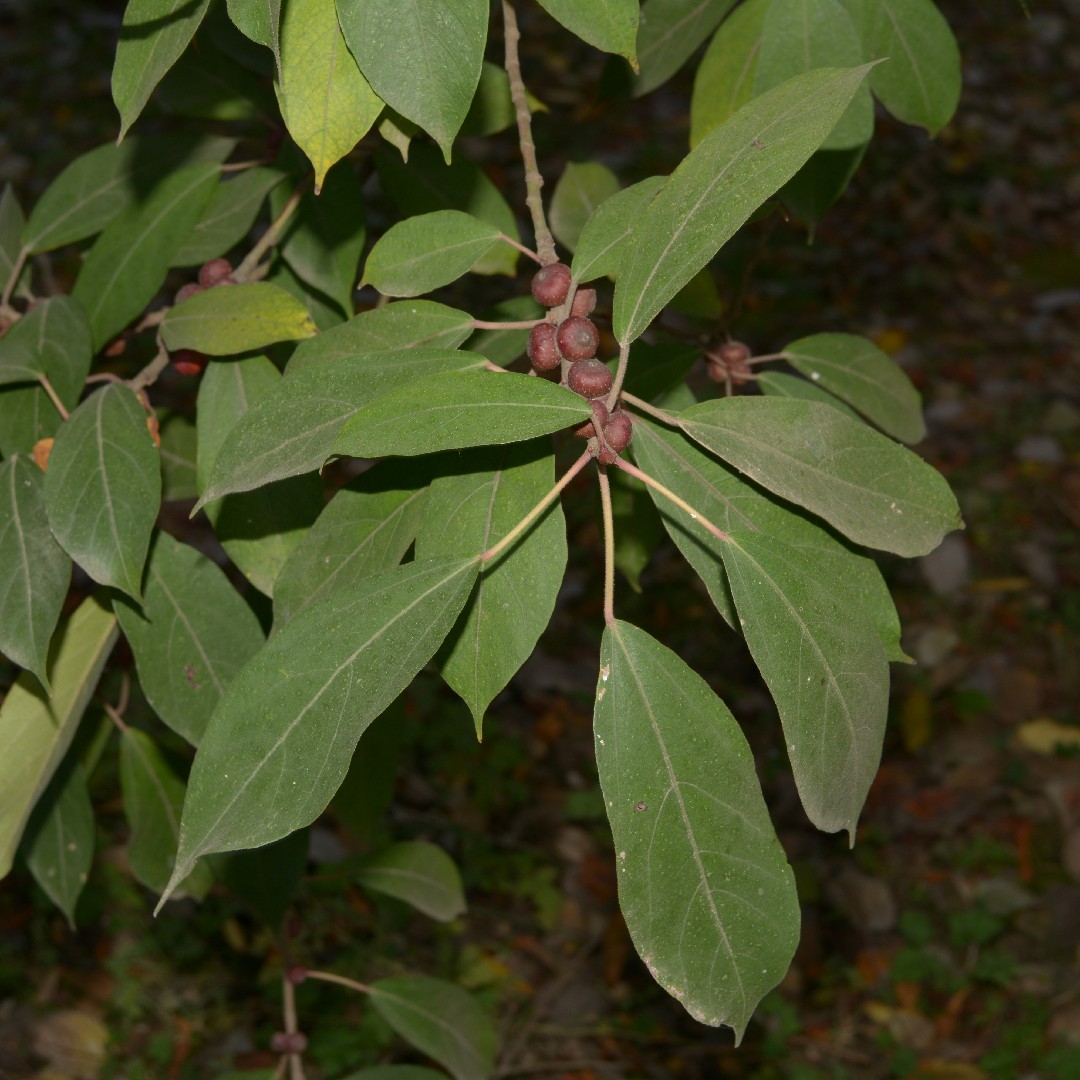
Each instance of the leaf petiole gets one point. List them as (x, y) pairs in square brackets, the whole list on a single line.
[(682, 504)]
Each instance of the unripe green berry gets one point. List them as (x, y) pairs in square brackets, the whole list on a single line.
[(577, 338), (589, 378), (550, 284)]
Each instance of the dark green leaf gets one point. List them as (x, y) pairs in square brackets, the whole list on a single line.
[(103, 487), (609, 25), (669, 32), (179, 445), (704, 885), (12, 224), (368, 787), (600, 244), (419, 873), (578, 193), (492, 108), (266, 877), (638, 530), (503, 347), (780, 384), (820, 182), (324, 313), (260, 20)]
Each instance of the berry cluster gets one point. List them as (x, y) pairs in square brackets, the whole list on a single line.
[(211, 274), (573, 337), (730, 364)]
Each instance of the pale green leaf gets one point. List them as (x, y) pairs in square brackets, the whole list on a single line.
[(419, 873), (669, 32), (578, 193), (602, 239), (608, 25)]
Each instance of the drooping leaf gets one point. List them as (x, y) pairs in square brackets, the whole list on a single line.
[(608, 25), (398, 326), (191, 637), (578, 192), (103, 487), (857, 371), (35, 729), (704, 884), (863, 484), (266, 877), (669, 32), (326, 103), (128, 263), (153, 35), (466, 513), (600, 243), (440, 1019), (34, 569), (719, 184), (457, 410), (427, 251), (236, 318), (280, 740), (179, 446), (419, 873), (824, 667), (366, 527), (422, 57), (59, 842)]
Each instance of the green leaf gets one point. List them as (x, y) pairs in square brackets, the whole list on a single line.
[(440, 1019), (824, 667), (368, 788), (419, 873), (12, 224), (366, 527), (601, 242), (578, 193), (236, 318), (492, 108), (428, 183), (724, 81), (179, 445), (193, 635), (266, 877), (468, 512), (503, 347), (921, 82), (103, 487), (35, 569), (461, 409), (704, 885), (608, 25), (153, 35), (258, 529), (820, 182), (669, 32), (259, 20), (638, 530), (129, 262), (427, 251), (324, 313), (396, 1072), (872, 490), (400, 326), (423, 57), (279, 743), (720, 183), (295, 425), (229, 215), (857, 371), (326, 103), (110, 179), (59, 842), (780, 384), (153, 795), (36, 730)]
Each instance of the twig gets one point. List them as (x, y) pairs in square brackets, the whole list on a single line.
[(149, 374), (521, 247), (273, 233), (54, 397), (609, 546), (682, 504), (545, 245)]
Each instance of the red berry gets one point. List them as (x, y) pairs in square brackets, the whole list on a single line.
[(542, 351), (279, 1042), (589, 378), (618, 431), (577, 338), (214, 272), (734, 352), (550, 284), (188, 361), (297, 1043), (188, 290), (296, 974), (600, 415), (584, 302)]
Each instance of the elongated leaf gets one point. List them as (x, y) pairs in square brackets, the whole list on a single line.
[(266, 877), (921, 82), (427, 251), (259, 20), (327, 104), (103, 487), (131, 258), (192, 636), (440, 1019), (105, 181), (859, 372), (399, 326), (466, 513), (600, 244), (719, 184), (422, 57), (59, 841), (669, 32), (236, 318), (826, 671), (419, 873), (451, 412), (872, 490), (36, 730), (34, 569), (579, 192), (12, 224), (296, 425), (153, 35), (704, 885), (780, 384), (153, 795), (366, 527), (609, 25), (279, 743)]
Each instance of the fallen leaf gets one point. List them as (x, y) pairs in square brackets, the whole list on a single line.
[(1046, 736)]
